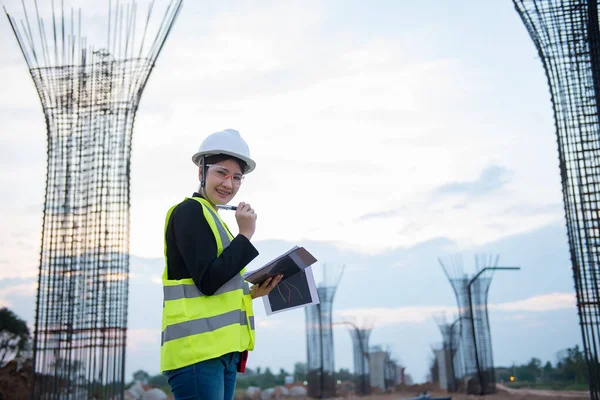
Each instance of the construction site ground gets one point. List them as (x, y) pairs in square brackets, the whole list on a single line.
[(14, 385), (498, 396), (511, 394)]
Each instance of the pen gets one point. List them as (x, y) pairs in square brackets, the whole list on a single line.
[(226, 207)]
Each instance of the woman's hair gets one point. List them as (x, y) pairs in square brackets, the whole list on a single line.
[(216, 158)]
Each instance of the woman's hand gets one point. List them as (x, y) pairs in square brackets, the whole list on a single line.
[(246, 220), (266, 287)]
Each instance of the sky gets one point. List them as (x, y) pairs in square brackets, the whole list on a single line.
[(386, 134)]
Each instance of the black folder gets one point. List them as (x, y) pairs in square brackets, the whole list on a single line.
[(289, 264)]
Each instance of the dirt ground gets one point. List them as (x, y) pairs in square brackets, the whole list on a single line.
[(503, 393), (14, 386), (514, 394)]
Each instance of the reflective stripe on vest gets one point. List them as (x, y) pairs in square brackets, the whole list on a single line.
[(225, 240), (202, 325), (189, 291), (197, 327)]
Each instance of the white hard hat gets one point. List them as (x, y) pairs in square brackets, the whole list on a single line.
[(227, 142)]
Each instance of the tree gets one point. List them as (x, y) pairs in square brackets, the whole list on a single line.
[(530, 371), (141, 376), (344, 375), (269, 379), (548, 370), (434, 371), (300, 372), (570, 371), (535, 364), (572, 365), (281, 376), (14, 336), (268, 372)]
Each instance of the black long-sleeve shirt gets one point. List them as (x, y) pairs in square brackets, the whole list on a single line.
[(192, 250)]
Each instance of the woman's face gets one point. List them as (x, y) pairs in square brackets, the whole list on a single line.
[(223, 180)]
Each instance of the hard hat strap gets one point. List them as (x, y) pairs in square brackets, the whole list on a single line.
[(203, 191), (203, 179)]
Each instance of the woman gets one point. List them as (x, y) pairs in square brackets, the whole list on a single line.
[(208, 322)]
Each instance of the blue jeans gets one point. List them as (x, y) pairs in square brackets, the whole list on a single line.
[(212, 379)]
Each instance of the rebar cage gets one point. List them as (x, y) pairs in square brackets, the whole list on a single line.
[(89, 97), (319, 338), (567, 37), (475, 347)]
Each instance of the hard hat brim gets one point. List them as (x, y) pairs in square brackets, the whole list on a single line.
[(197, 157)]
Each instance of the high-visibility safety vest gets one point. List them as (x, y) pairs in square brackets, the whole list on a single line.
[(196, 327)]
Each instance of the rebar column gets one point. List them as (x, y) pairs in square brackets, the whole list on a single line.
[(360, 344), (567, 38), (450, 343), (319, 336), (89, 96), (475, 340)]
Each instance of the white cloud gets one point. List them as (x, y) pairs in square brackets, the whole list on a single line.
[(386, 316), (88, 20), (545, 302), (270, 323), (137, 338), (343, 121), (20, 290), (20, 258), (342, 124), (327, 150), (145, 270), (515, 317)]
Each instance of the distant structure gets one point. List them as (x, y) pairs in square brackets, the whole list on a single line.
[(400, 375), (476, 342), (360, 333), (566, 34), (391, 373), (384, 370), (90, 94), (360, 344), (434, 365), (319, 337), (441, 359), (446, 354)]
